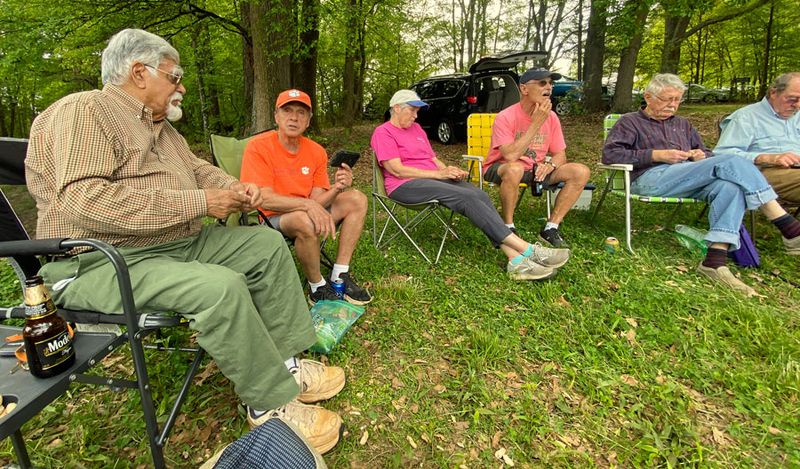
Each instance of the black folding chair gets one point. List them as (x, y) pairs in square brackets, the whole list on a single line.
[(22, 253)]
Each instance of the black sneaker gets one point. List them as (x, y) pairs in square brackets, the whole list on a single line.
[(553, 238), (353, 293), (325, 292), (513, 229)]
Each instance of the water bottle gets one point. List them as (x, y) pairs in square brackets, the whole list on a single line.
[(692, 239)]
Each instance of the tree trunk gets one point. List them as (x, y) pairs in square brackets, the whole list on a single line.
[(595, 54), (627, 63), (271, 30), (247, 71), (349, 73), (306, 74), (674, 30), (762, 88), (580, 40)]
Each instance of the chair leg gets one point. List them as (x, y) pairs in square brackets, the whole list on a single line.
[(753, 224), (628, 233), (603, 194)]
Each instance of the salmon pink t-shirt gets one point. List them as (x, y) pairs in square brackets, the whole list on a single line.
[(511, 123), (411, 145), (268, 164)]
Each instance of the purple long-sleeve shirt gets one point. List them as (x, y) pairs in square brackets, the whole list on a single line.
[(635, 135)]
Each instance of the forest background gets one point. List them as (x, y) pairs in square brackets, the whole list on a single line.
[(351, 55)]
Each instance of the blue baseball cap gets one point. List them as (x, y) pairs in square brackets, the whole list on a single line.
[(538, 74)]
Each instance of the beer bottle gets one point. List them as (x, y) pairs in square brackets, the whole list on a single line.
[(47, 341)]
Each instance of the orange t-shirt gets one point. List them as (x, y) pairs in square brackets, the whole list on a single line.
[(267, 163)]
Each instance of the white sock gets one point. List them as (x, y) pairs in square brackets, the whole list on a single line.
[(256, 413), (337, 270), (316, 285), (292, 364), (550, 225), (510, 225)]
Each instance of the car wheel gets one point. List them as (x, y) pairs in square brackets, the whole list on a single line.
[(563, 107), (709, 98), (444, 132)]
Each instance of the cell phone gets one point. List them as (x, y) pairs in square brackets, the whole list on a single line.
[(344, 156), (7, 349)]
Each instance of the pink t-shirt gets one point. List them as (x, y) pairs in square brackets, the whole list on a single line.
[(511, 123), (411, 145)]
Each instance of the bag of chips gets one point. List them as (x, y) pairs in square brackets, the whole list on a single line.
[(332, 319)]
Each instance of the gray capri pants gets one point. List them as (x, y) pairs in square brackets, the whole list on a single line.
[(460, 197)]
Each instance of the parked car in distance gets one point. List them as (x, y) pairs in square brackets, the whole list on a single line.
[(490, 86), (568, 91), (700, 94)]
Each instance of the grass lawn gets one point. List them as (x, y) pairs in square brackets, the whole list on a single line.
[(620, 360)]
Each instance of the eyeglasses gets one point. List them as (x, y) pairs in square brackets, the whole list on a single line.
[(541, 83), (174, 78), (674, 99)]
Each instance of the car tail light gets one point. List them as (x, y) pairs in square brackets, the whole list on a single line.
[(472, 99)]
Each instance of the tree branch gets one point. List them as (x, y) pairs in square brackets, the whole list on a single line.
[(721, 18)]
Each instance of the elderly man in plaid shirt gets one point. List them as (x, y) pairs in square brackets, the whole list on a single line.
[(107, 164)]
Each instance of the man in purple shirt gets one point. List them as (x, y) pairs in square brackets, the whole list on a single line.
[(669, 159)]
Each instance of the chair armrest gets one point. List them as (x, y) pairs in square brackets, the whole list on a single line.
[(33, 247), (616, 167), (479, 159), (62, 245)]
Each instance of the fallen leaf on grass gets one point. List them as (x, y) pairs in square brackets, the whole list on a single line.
[(629, 380), (364, 438), (411, 442), (563, 302), (682, 268), (55, 443), (632, 322), (630, 336), (439, 388), (396, 383), (570, 440), (496, 439), (660, 379), (425, 438), (613, 286), (719, 437), (503, 456), (774, 431)]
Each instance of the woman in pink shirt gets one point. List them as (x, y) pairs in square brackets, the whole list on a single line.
[(413, 174)]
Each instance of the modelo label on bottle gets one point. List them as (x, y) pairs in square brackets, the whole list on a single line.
[(55, 350), (36, 310)]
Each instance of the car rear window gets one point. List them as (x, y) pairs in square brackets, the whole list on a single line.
[(435, 89)]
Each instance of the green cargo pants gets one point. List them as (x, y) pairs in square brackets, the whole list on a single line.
[(237, 286)]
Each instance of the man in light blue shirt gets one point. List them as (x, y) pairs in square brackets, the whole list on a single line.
[(768, 133)]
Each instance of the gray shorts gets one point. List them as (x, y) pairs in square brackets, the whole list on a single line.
[(274, 221), (490, 175)]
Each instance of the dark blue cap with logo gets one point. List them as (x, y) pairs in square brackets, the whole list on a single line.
[(538, 74)]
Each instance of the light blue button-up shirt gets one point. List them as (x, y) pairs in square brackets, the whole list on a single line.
[(755, 130)]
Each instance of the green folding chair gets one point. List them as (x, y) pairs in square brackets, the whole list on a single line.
[(228, 153), (618, 182)]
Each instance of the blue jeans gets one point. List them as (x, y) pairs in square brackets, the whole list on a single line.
[(730, 184)]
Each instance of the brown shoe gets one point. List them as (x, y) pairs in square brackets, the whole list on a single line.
[(724, 276), (322, 428), (792, 245), (317, 381)]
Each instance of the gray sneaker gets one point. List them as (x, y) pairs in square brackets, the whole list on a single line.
[(549, 257), (529, 270), (724, 276), (792, 245)]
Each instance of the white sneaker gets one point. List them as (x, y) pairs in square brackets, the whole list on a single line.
[(529, 270)]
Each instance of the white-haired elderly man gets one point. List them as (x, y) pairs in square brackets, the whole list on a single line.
[(669, 159), (106, 164), (768, 134)]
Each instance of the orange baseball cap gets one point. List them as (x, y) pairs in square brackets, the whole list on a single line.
[(292, 95)]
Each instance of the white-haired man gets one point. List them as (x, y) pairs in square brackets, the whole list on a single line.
[(669, 159), (106, 164), (768, 134)]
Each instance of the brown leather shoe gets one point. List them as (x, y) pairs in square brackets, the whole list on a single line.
[(317, 381), (322, 428), (723, 275)]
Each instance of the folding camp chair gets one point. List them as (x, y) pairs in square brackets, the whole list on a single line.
[(227, 153), (21, 253), (479, 142), (422, 211), (618, 182)]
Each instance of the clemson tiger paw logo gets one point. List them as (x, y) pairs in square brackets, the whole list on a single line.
[(305, 170)]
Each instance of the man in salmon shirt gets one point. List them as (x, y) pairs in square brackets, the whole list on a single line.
[(300, 202), (523, 136)]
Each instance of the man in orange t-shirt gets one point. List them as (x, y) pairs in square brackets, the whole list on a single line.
[(299, 201)]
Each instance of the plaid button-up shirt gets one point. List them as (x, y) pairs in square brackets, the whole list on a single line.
[(99, 167)]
